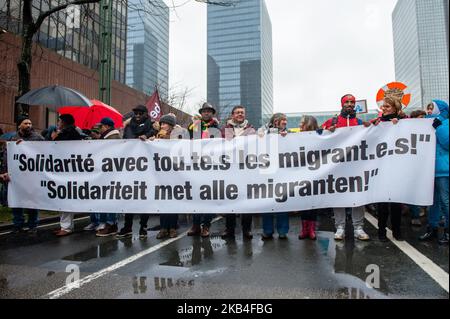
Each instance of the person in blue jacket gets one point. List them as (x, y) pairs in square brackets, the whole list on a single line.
[(440, 206)]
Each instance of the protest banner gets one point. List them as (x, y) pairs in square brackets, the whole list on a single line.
[(353, 166)]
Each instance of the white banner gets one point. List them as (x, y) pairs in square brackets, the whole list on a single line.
[(350, 167)]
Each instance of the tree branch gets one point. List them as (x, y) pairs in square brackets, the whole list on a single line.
[(45, 14)]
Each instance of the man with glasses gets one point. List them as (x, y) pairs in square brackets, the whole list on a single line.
[(237, 125)]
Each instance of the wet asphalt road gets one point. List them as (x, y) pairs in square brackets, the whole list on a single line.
[(33, 267)]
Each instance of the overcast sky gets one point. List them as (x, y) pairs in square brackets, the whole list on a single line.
[(322, 49)]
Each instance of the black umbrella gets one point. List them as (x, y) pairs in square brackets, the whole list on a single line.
[(54, 96)]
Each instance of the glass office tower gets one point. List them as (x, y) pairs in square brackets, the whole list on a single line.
[(240, 59), (148, 46), (421, 49)]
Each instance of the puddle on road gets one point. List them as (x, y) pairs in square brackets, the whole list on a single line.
[(203, 249)]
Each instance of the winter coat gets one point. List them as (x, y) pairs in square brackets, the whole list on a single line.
[(229, 130), (134, 129), (33, 136), (111, 134), (341, 121), (442, 146), (387, 118), (69, 133), (199, 129)]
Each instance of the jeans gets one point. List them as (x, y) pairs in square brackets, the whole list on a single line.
[(282, 223), (205, 219), (440, 204), (95, 218), (357, 216), (107, 218), (168, 221), (19, 220)]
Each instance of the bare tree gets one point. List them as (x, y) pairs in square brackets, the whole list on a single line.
[(177, 97), (31, 26)]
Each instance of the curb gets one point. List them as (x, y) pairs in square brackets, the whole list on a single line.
[(43, 221)]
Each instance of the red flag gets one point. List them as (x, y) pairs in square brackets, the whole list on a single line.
[(154, 106)]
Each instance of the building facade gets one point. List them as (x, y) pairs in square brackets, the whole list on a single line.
[(77, 39), (240, 59), (420, 29), (148, 46)]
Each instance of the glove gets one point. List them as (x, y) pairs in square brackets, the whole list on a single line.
[(436, 123)]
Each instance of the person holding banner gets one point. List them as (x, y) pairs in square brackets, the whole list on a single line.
[(168, 222), (276, 125), (142, 127), (109, 220), (237, 125), (204, 127), (346, 118), (25, 132), (391, 111), (309, 217), (441, 192), (66, 132)]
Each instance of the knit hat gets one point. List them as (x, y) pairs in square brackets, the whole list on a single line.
[(168, 119), (21, 118), (107, 121)]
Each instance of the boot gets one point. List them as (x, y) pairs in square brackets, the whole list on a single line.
[(194, 231), (430, 234), (163, 233), (305, 229), (444, 239), (312, 230)]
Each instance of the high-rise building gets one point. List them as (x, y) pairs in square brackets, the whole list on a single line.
[(240, 59), (421, 49), (79, 40), (148, 46)]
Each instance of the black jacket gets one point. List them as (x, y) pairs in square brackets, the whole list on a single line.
[(69, 133), (134, 129)]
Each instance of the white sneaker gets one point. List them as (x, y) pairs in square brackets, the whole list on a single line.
[(100, 227), (361, 234), (90, 227), (340, 233)]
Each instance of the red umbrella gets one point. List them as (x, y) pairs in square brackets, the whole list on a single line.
[(87, 117)]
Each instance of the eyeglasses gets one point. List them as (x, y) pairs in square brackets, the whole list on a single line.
[(138, 113)]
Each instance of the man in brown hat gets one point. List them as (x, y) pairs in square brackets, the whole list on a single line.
[(205, 126)]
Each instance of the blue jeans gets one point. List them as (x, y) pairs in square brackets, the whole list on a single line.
[(19, 220), (282, 223), (94, 218), (107, 218), (440, 204), (205, 219)]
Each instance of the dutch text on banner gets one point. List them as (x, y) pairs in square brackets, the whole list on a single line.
[(255, 174)]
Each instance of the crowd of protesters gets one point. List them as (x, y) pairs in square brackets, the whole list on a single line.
[(205, 126)]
